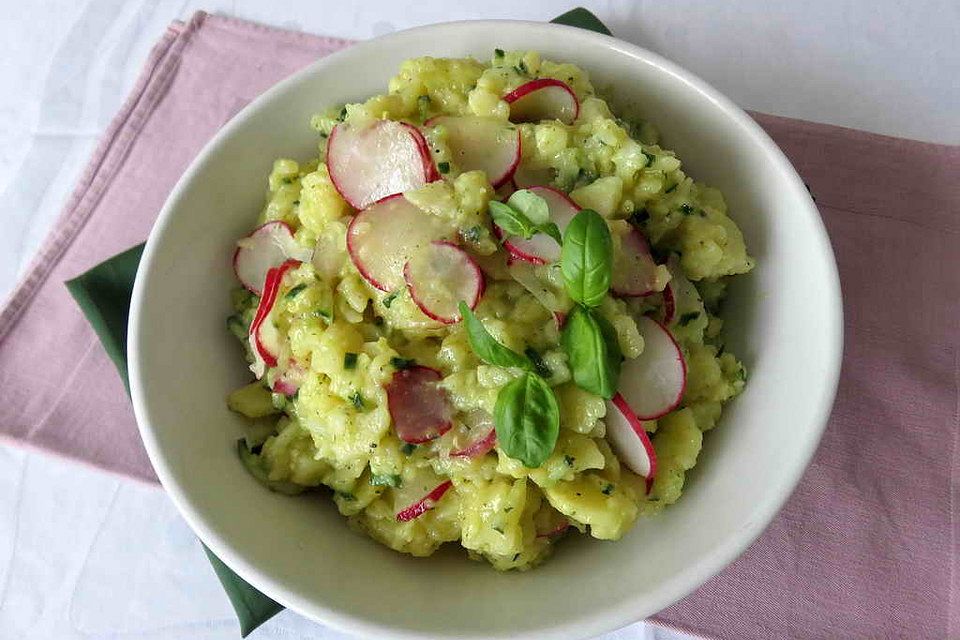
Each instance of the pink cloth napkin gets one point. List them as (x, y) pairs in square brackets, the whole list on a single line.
[(867, 547)]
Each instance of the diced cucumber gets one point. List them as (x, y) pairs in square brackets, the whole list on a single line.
[(254, 464), (252, 401)]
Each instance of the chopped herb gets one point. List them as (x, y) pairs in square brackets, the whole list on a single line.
[(343, 114), (650, 158), (349, 360), (357, 399), (498, 529), (443, 167), (408, 448), (538, 364), (498, 53), (323, 135), (390, 298), (687, 318), (521, 68), (423, 100), (472, 234), (507, 509), (402, 363), (288, 180), (343, 495), (569, 460), (293, 293), (515, 556), (296, 203), (385, 480), (373, 445), (687, 209), (607, 490), (324, 313), (742, 374)]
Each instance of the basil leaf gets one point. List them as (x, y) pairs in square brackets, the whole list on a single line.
[(511, 221), (592, 351), (486, 347), (532, 206), (527, 420), (552, 230), (586, 258)]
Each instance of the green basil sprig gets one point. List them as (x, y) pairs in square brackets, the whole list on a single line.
[(592, 351), (586, 258), (486, 346), (524, 214), (527, 420)]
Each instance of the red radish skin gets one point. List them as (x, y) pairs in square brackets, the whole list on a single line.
[(556, 531), (669, 305), (560, 318), (267, 246), (646, 468), (426, 503), (653, 383), (384, 236), (484, 144), (541, 248), (265, 354), (543, 99), (418, 405), (465, 280), (370, 162), (288, 383), (634, 270), (478, 447)]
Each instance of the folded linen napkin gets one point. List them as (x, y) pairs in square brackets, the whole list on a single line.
[(868, 544)]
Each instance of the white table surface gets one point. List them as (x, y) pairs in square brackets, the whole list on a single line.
[(84, 554)]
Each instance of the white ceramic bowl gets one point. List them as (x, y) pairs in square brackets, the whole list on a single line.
[(784, 320)]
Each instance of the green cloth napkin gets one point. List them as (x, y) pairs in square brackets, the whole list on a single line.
[(103, 294)]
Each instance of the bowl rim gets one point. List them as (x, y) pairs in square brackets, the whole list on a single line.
[(599, 621)]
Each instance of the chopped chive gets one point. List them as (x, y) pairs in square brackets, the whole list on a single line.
[(672, 188), (443, 167), (687, 318), (407, 448), (498, 529), (515, 556), (650, 158), (498, 53), (472, 234), (390, 298), (294, 292), (402, 363), (357, 399), (607, 490), (385, 480), (569, 460), (343, 114), (349, 360), (686, 209)]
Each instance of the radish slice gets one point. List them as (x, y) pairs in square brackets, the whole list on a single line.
[(684, 297), (383, 237), (630, 440), (560, 319), (634, 271), (372, 161), (288, 382), (418, 405), (424, 504), (532, 277), (439, 277), (541, 248), (485, 144), (264, 337), (653, 382), (267, 246), (543, 99)]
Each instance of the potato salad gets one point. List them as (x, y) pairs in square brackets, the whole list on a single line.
[(487, 313)]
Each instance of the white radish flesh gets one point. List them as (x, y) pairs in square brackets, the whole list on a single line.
[(634, 271), (441, 275), (541, 248), (267, 246), (543, 99), (653, 383), (371, 161), (629, 439), (418, 405), (484, 144), (383, 237)]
